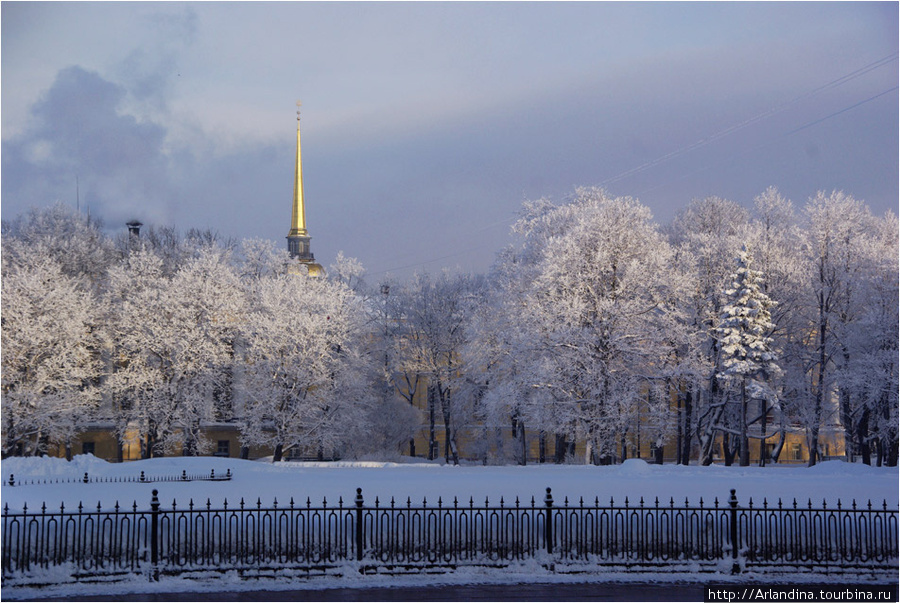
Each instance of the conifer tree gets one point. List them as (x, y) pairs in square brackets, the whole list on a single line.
[(748, 361)]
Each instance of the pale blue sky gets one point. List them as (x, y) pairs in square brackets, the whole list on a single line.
[(425, 125)]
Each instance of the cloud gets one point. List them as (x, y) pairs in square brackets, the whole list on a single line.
[(78, 131)]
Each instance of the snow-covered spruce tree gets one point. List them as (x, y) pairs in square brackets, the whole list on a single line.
[(304, 379), (51, 353), (747, 359), (775, 238)]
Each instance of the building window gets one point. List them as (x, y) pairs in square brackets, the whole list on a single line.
[(223, 448), (87, 448), (796, 452)]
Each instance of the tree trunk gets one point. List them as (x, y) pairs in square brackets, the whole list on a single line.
[(744, 442), (432, 443), (279, 451), (763, 418), (685, 458)]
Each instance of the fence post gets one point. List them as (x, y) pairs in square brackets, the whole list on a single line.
[(154, 536), (735, 543), (359, 524), (548, 521)]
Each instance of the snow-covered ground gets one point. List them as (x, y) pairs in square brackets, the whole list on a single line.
[(265, 481), (829, 481)]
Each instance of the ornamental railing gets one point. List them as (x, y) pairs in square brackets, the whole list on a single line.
[(251, 538)]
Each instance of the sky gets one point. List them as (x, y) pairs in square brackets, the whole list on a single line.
[(426, 125)]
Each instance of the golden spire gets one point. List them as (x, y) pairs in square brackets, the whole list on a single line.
[(298, 214)]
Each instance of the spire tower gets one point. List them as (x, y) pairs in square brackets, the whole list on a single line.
[(298, 237)]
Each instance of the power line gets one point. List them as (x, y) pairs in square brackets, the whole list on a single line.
[(712, 138)]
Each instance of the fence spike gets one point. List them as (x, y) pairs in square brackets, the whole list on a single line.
[(117, 506), (85, 477), (751, 502), (501, 502), (191, 504), (392, 502), (25, 508), (134, 506), (258, 503), (208, 504), (228, 474), (376, 502), (275, 502), (839, 504), (854, 504), (6, 508), (98, 506), (340, 502), (173, 504), (308, 503), (43, 508), (12, 480), (408, 502), (456, 503), (242, 502), (809, 502), (656, 502), (292, 502), (824, 504), (581, 501), (566, 503), (642, 502), (626, 502), (471, 502), (184, 474)]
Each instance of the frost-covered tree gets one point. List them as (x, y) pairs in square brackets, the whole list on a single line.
[(598, 316), (51, 353), (173, 346), (837, 233), (75, 241), (304, 378), (708, 234), (435, 315), (747, 358)]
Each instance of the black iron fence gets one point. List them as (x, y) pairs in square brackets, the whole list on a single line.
[(727, 537)]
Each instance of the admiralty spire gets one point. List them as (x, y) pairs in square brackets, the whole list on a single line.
[(298, 237)]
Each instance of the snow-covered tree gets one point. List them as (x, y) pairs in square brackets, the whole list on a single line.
[(707, 235), (435, 316), (747, 359), (304, 378), (837, 232), (173, 346), (598, 315), (51, 354)]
